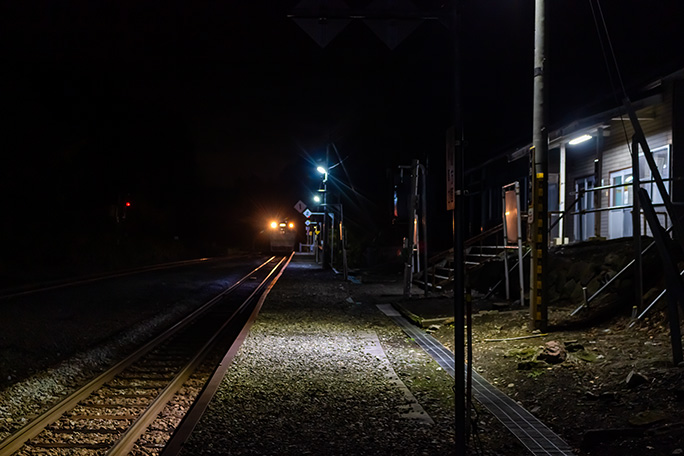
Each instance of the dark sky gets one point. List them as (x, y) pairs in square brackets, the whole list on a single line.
[(210, 114)]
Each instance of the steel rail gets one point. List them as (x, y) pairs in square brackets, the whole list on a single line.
[(49, 286), (14, 442), (187, 425), (127, 441)]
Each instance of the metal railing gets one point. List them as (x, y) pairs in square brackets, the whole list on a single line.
[(582, 193)]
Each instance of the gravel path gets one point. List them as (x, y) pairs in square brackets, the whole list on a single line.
[(324, 372)]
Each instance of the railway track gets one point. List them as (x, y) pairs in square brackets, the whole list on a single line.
[(135, 406)]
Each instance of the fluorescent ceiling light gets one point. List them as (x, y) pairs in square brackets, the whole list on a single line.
[(579, 139)]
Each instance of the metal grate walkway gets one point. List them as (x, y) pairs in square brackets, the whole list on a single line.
[(537, 438)]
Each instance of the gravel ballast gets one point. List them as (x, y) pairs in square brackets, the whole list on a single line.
[(323, 371)]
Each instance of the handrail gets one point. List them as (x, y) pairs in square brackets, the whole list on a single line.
[(485, 234), (624, 184)]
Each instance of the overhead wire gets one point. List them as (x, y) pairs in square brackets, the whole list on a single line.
[(603, 27)]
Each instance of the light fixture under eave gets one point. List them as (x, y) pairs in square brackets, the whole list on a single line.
[(579, 140)]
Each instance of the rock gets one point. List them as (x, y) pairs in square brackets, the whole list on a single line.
[(647, 417), (553, 295), (553, 353), (577, 294), (677, 451), (593, 286), (569, 287), (522, 354), (573, 346), (594, 437), (635, 379), (579, 270), (609, 396), (585, 355), (530, 365), (591, 396), (613, 259)]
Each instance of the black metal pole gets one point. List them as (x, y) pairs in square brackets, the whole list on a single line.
[(469, 369), (459, 259), (459, 302), (636, 227), (678, 229), (423, 222), (675, 289)]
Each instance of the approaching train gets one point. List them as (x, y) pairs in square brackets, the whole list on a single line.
[(282, 236)]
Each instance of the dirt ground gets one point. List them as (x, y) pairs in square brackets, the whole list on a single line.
[(616, 392)]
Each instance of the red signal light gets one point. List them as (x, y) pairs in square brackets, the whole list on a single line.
[(128, 204)]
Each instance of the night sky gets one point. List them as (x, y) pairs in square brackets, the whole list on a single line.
[(209, 116)]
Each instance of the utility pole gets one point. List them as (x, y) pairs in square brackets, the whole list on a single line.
[(538, 213)]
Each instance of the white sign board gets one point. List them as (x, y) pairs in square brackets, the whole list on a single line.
[(307, 213), (300, 206)]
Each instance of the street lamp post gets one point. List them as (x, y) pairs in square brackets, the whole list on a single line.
[(327, 252), (327, 232)]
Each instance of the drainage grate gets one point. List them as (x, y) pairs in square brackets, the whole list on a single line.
[(536, 437)]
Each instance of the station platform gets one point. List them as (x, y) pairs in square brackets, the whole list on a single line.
[(341, 367)]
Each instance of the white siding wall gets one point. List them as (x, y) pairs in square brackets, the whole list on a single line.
[(616, 154)]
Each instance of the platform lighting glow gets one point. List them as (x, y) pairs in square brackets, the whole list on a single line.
[(274, 225), (317, 199), (321, 170), (579, 139)]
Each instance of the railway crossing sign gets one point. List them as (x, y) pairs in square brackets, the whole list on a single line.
[(300, 206), (307, 213)]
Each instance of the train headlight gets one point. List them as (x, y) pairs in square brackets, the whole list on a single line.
[(290, 225), (274, 225)]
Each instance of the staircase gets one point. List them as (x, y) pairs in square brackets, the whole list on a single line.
[(478, 249)]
